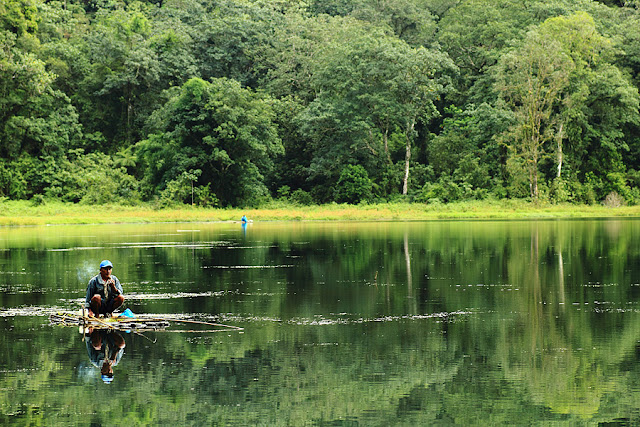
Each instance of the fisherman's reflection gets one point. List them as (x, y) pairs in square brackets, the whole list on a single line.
[(105, 349)]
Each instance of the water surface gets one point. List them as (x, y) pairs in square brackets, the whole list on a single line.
[(372, 323)]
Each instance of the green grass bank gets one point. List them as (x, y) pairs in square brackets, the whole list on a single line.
[(17, 213)]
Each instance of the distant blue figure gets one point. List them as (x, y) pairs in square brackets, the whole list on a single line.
[(244, 222)]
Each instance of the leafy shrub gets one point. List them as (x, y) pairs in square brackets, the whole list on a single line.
[(175, 192), (616, 182), (419, 176), (518, 182), (12, 183), (560, 191), (181, 190), (611, 182), (446, 190), (88, 178), (100, 181), (588, 194), (353, 185), (203, 196), (301, 197), (38, 200), (633, 177), (635, 196), (284, 192)]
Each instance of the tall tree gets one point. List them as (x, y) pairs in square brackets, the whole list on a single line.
[(551, 81), (231, 39), (124, 68), (369, 88), (217, 127), (533, 80), (35, 118)]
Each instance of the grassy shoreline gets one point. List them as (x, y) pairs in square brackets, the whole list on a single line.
[(21, 213)]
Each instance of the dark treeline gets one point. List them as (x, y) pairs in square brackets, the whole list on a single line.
[(238, 102)]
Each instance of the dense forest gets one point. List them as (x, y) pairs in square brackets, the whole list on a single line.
[(239, 102)]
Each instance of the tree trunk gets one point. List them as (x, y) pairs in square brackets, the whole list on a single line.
[(407, 158), (533, 167), (533, 179), (129, 117), (559, 139), (385, 138)]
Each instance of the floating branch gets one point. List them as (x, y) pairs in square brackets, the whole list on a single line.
[(197, 322)]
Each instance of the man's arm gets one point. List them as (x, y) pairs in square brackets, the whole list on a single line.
[(90, 293), (117, 285)]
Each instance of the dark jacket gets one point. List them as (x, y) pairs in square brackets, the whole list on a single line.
[(96, 286)]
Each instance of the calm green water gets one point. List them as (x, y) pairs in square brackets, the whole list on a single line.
[(421, 323)]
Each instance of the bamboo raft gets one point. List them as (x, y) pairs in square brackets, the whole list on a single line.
[(135, 324), (68, 319)]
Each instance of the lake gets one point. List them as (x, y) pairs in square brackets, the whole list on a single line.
[(345, 324)]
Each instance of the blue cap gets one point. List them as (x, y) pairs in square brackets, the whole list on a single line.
[(107, 378), (106, 263)]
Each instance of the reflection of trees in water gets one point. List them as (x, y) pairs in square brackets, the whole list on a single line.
[(530, 345), (542, 349), (323, 375), (559, 353)]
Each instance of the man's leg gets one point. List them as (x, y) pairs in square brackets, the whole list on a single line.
[(117, 302), (96, 340), (118, 340), (114, 303), (96, 304)]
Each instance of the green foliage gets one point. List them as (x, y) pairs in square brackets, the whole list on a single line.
[(445, 190), (12, 183), (231, 40), (560, 191), (38, 200), (34, 118), (410, 21), (518, 178), (92, 179), (489, 97), (544, 81), (361, 104), (220, 128), (467, 150), (182, 190), (19, 16), (301, 197), (353, 185), (284, 192), (203, 196)]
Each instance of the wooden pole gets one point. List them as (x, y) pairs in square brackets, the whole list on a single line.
[(197, 322)]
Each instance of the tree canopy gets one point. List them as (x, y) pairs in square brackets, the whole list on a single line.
[(236, 102)]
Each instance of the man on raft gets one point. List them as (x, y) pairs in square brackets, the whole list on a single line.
[(104, 292)]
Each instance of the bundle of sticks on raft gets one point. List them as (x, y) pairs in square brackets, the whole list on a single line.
[(123, 323), (66, 319)]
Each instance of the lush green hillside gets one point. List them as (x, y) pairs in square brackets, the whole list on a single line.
[(238, 102)]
